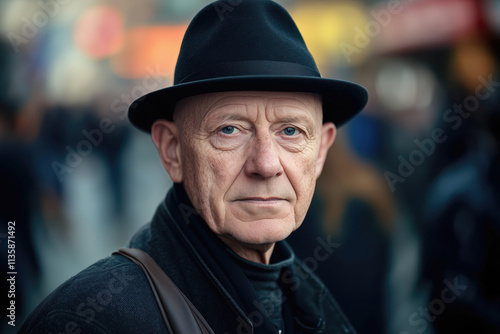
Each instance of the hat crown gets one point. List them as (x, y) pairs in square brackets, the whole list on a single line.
[(236, 33)]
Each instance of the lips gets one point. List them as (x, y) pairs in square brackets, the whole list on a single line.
[(256, 208), (262, 199)]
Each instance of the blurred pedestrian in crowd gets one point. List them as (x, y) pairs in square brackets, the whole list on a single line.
[(19, 192), (461, 222)]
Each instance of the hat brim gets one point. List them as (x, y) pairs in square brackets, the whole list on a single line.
[(342, 100)]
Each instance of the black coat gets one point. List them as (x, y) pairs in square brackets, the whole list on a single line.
[(113, 295)]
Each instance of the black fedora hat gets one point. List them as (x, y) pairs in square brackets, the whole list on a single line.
[(246, 45)]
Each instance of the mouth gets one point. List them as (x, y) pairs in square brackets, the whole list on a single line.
[(261, 200), (255, 208)]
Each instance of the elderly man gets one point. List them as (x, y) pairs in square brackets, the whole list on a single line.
[(243, 133)]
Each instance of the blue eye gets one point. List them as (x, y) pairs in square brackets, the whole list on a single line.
[(229, 130), (289, 131)]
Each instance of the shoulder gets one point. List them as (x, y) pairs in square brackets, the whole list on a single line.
[(111, 296), (311, 285)]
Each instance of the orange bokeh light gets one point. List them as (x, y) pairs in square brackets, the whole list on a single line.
[(149, 48)]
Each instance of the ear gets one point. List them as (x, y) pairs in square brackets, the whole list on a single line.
[(166, 139), (328, 133)]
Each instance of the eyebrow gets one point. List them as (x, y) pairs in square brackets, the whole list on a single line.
[(295, 119), (302, 118), (238, 112), (228, 116), (305, 115)]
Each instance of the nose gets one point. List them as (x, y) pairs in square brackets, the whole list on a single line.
[(263, 160)]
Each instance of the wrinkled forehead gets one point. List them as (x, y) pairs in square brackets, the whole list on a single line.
[(195, 108)]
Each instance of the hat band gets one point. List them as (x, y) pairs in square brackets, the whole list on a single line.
[(250, 68)]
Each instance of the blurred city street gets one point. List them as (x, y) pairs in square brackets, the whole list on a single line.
[(410, 189)]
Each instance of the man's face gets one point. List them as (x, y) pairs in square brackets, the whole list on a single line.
[(249, 161)]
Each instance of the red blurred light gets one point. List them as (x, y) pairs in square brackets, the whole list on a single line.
[(99, 32)]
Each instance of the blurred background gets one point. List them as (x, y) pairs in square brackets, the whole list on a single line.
[(409, 194)]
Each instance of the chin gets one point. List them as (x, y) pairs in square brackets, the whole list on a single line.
[(264, 232)]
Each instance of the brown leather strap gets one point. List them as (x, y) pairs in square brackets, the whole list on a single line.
[(179, 314)]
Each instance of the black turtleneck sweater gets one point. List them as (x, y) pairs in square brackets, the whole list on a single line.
[(265, 280)]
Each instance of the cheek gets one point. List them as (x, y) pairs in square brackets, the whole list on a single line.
[(302, 169), (220, 165), (197, 178), (301, 174), (211, 174), (217, 172)]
